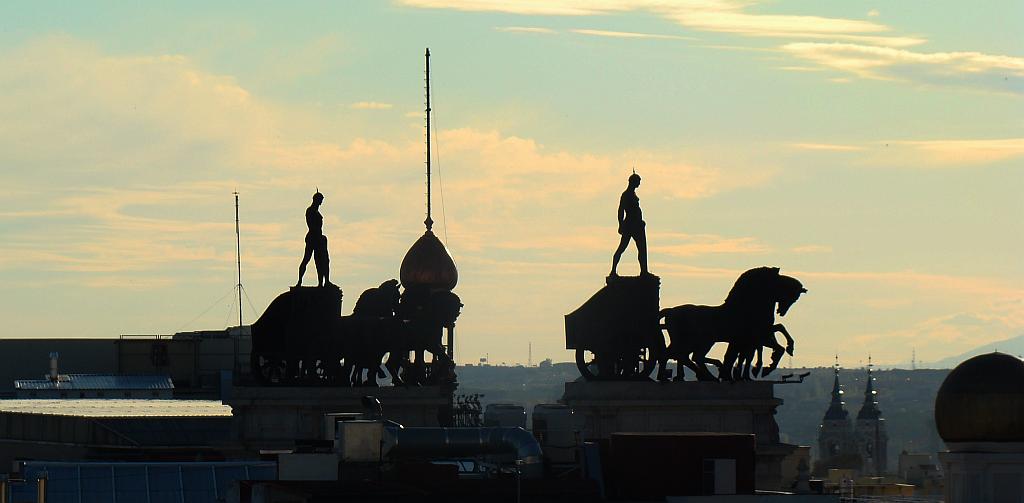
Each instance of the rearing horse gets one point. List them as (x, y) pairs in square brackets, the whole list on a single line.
[(746, 320)]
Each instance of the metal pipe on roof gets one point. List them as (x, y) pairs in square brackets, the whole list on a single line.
[(433, 443)]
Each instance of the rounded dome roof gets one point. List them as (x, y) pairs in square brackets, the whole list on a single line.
[(982, 400), (428, 263)]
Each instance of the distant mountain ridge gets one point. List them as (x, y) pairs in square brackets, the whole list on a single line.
[(1012, 346)]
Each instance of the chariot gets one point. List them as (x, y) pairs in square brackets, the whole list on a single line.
[(616, 333)]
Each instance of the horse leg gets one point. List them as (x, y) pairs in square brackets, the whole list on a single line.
[(760, 361), (748, 363), (742, 370), (372, 372), (789, 339), (685, 361), (394, 366), (777, 352), (700, 357), (726, 372)]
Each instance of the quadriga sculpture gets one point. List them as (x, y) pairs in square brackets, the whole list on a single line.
[(746, 320), (301, 339)]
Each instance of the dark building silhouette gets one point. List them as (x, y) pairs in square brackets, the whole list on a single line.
[(860, 444), (834, 434), (869, 432)]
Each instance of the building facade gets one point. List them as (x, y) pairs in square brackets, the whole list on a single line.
[(861, 444)]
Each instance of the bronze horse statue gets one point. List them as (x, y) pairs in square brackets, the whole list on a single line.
[(746, 320), (388, 321)]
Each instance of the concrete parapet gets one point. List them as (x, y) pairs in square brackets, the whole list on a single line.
[(274, 417), (692, 406)]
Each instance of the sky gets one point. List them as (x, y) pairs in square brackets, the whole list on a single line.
[(871, 149)]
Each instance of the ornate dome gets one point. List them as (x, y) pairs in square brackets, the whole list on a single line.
[(428, 263), (982, 400)]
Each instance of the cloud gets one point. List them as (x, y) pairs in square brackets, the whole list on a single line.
[(874, 13), (628, 34), (526, 29), (965, 69), (132, 160), (943, 153), (690, 245), (371, 105), (730, 16), (830, 147), (524, 7), (964, 152)]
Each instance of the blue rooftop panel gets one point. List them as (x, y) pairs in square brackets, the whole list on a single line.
[(98, 382)]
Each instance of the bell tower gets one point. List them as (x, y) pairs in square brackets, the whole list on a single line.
[(869, 431), (835, 431)]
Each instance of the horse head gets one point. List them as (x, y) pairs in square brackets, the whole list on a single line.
[(787, 292), (390, 293)]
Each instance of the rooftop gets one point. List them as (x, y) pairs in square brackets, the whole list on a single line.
[(116, 407), (97, 382)]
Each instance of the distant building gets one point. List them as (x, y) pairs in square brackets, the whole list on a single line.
[(862, 445), (834, 438), (114, 430), (920, 470), (201, 364), (979, 411), (869, 432), (57, 385), (96, 386), (836, 444)]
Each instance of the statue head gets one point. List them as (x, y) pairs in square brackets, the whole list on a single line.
[(634, 180), (318, 197)]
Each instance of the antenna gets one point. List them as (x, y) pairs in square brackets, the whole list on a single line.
[(429, 222), (238, 261), (529, 357), (913, 359)]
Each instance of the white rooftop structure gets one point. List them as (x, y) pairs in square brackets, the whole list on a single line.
[(117, 407)]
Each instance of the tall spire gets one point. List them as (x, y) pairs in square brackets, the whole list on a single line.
[(428, 264), (870, 408), (837, 409), (429, 222)]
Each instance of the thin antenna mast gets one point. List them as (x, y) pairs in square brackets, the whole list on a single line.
[(238, 261), (429, 222)]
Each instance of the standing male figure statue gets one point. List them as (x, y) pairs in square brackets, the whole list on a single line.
[(316, 244), (631, 226)]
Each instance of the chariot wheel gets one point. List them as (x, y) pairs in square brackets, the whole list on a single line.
[(594, 367), (269, 371), (643, 366)]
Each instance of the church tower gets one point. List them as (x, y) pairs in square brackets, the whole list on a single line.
[(869, 431), (834, 434)]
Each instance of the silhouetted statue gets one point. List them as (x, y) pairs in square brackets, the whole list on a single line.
[(631, 226), (316, 244), (746, 320), (615, 333), (372, 331)]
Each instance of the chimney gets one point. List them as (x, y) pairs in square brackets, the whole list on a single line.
[(53, 366)]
